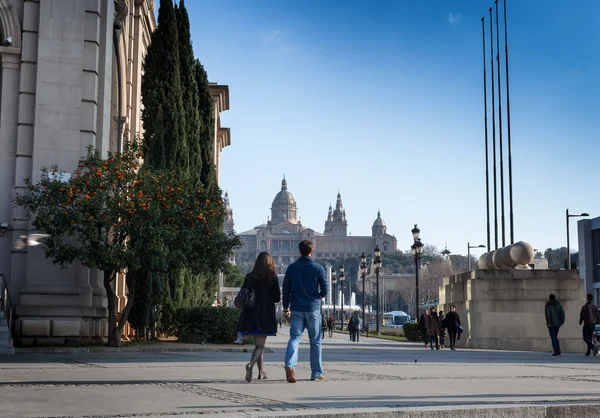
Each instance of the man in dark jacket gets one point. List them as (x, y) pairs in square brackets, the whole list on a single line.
[(555, 318), (589, 318), (304, 285), (424, 332), (451, 323)]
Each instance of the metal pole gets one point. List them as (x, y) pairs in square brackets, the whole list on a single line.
[(417, 285), (494, 135), (500, 130), (342, 306), (487, 170), (469, 254), (510, 194), (378, 304), (334, 300), (568, 244), (363, 307)]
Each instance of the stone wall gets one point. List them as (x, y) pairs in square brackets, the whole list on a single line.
[(504, 309)]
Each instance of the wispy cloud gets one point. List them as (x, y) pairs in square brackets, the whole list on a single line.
[(276, 39), (454, 18)]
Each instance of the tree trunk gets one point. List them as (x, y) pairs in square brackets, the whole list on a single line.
[(131, 279), (112, 308)]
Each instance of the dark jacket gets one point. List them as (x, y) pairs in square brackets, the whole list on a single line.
[(433, 324), (589, 314), (451, 321), (262, 317), (304, 285), (422, 322), (555, 314)]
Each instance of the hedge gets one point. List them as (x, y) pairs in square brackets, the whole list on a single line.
[(207, 325), (411, 332)]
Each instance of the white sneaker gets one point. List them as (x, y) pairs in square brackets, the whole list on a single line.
[(238, 342)]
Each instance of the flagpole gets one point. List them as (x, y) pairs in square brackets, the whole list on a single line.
[(494, 135), (500, 130), (510, 188), (487, 170)]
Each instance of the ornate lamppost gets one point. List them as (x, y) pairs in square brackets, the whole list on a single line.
[(333, 289), (342, 277), (417, 250), (363, 275), (377, 264)]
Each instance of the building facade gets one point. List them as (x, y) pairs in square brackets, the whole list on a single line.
[(284, 230), (589, 255), (70, 77)]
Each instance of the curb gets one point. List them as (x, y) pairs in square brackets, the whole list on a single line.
[(576, 410), (86, 350)]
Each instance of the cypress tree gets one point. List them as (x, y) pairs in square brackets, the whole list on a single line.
[(208, 174), (190, 90), (161, 88)]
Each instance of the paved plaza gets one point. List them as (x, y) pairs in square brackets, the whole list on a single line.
[(376, 378)]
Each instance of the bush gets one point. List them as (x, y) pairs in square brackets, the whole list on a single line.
[(411, 332), (205, 325)]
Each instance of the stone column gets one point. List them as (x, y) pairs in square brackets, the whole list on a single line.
[(10, 60)]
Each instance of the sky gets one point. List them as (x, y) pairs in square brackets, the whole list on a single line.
[(382, 100)]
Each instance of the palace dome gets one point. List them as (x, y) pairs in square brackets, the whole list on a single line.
[(284, 206), (378, 227)]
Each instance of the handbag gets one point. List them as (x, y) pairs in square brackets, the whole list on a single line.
[(245, 299)]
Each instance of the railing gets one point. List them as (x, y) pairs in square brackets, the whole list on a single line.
[(6, 306)]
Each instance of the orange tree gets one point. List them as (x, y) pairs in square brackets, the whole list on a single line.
[(115, 215)]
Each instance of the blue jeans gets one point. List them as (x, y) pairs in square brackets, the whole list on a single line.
[(310, 321), (554, 337), (588, 334)]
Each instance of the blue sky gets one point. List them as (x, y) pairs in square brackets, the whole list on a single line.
[(383, 101)]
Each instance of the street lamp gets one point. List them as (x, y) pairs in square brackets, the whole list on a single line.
[(377, 264), (342, 277), (334, 288), (469, 246), (363, 275), (568, 244), (417, 250)]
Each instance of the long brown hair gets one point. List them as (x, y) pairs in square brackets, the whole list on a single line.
[(264, 267)]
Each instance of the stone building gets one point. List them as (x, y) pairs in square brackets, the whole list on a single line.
[(284, 230), (70, 77)]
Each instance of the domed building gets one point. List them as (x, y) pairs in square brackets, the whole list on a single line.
[(283, 231)]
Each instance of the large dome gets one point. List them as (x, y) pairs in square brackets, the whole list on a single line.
[(378, 227), (284, 206)]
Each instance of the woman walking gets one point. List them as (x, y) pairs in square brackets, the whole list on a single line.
[(442, 329), (260, 321), (451, 323), (433, 326)]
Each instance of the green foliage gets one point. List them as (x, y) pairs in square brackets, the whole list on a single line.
[(190, 91), (217, 325), (161, 90), (233, 277), (207, 126), (411, 331), (113, 215)]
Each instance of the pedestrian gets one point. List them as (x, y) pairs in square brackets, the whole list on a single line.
[(555, 318), (424, 333), (442, 329), (351, 328), (433, 326), (280, 322), (323, 325), (589, 318), (304, 285), (358, 325), (330, 325), (451, 323), (261, 320)]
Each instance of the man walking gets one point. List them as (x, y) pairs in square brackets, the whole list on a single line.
[(555, 318), (452, 323), (589, 318), (304, 285)]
